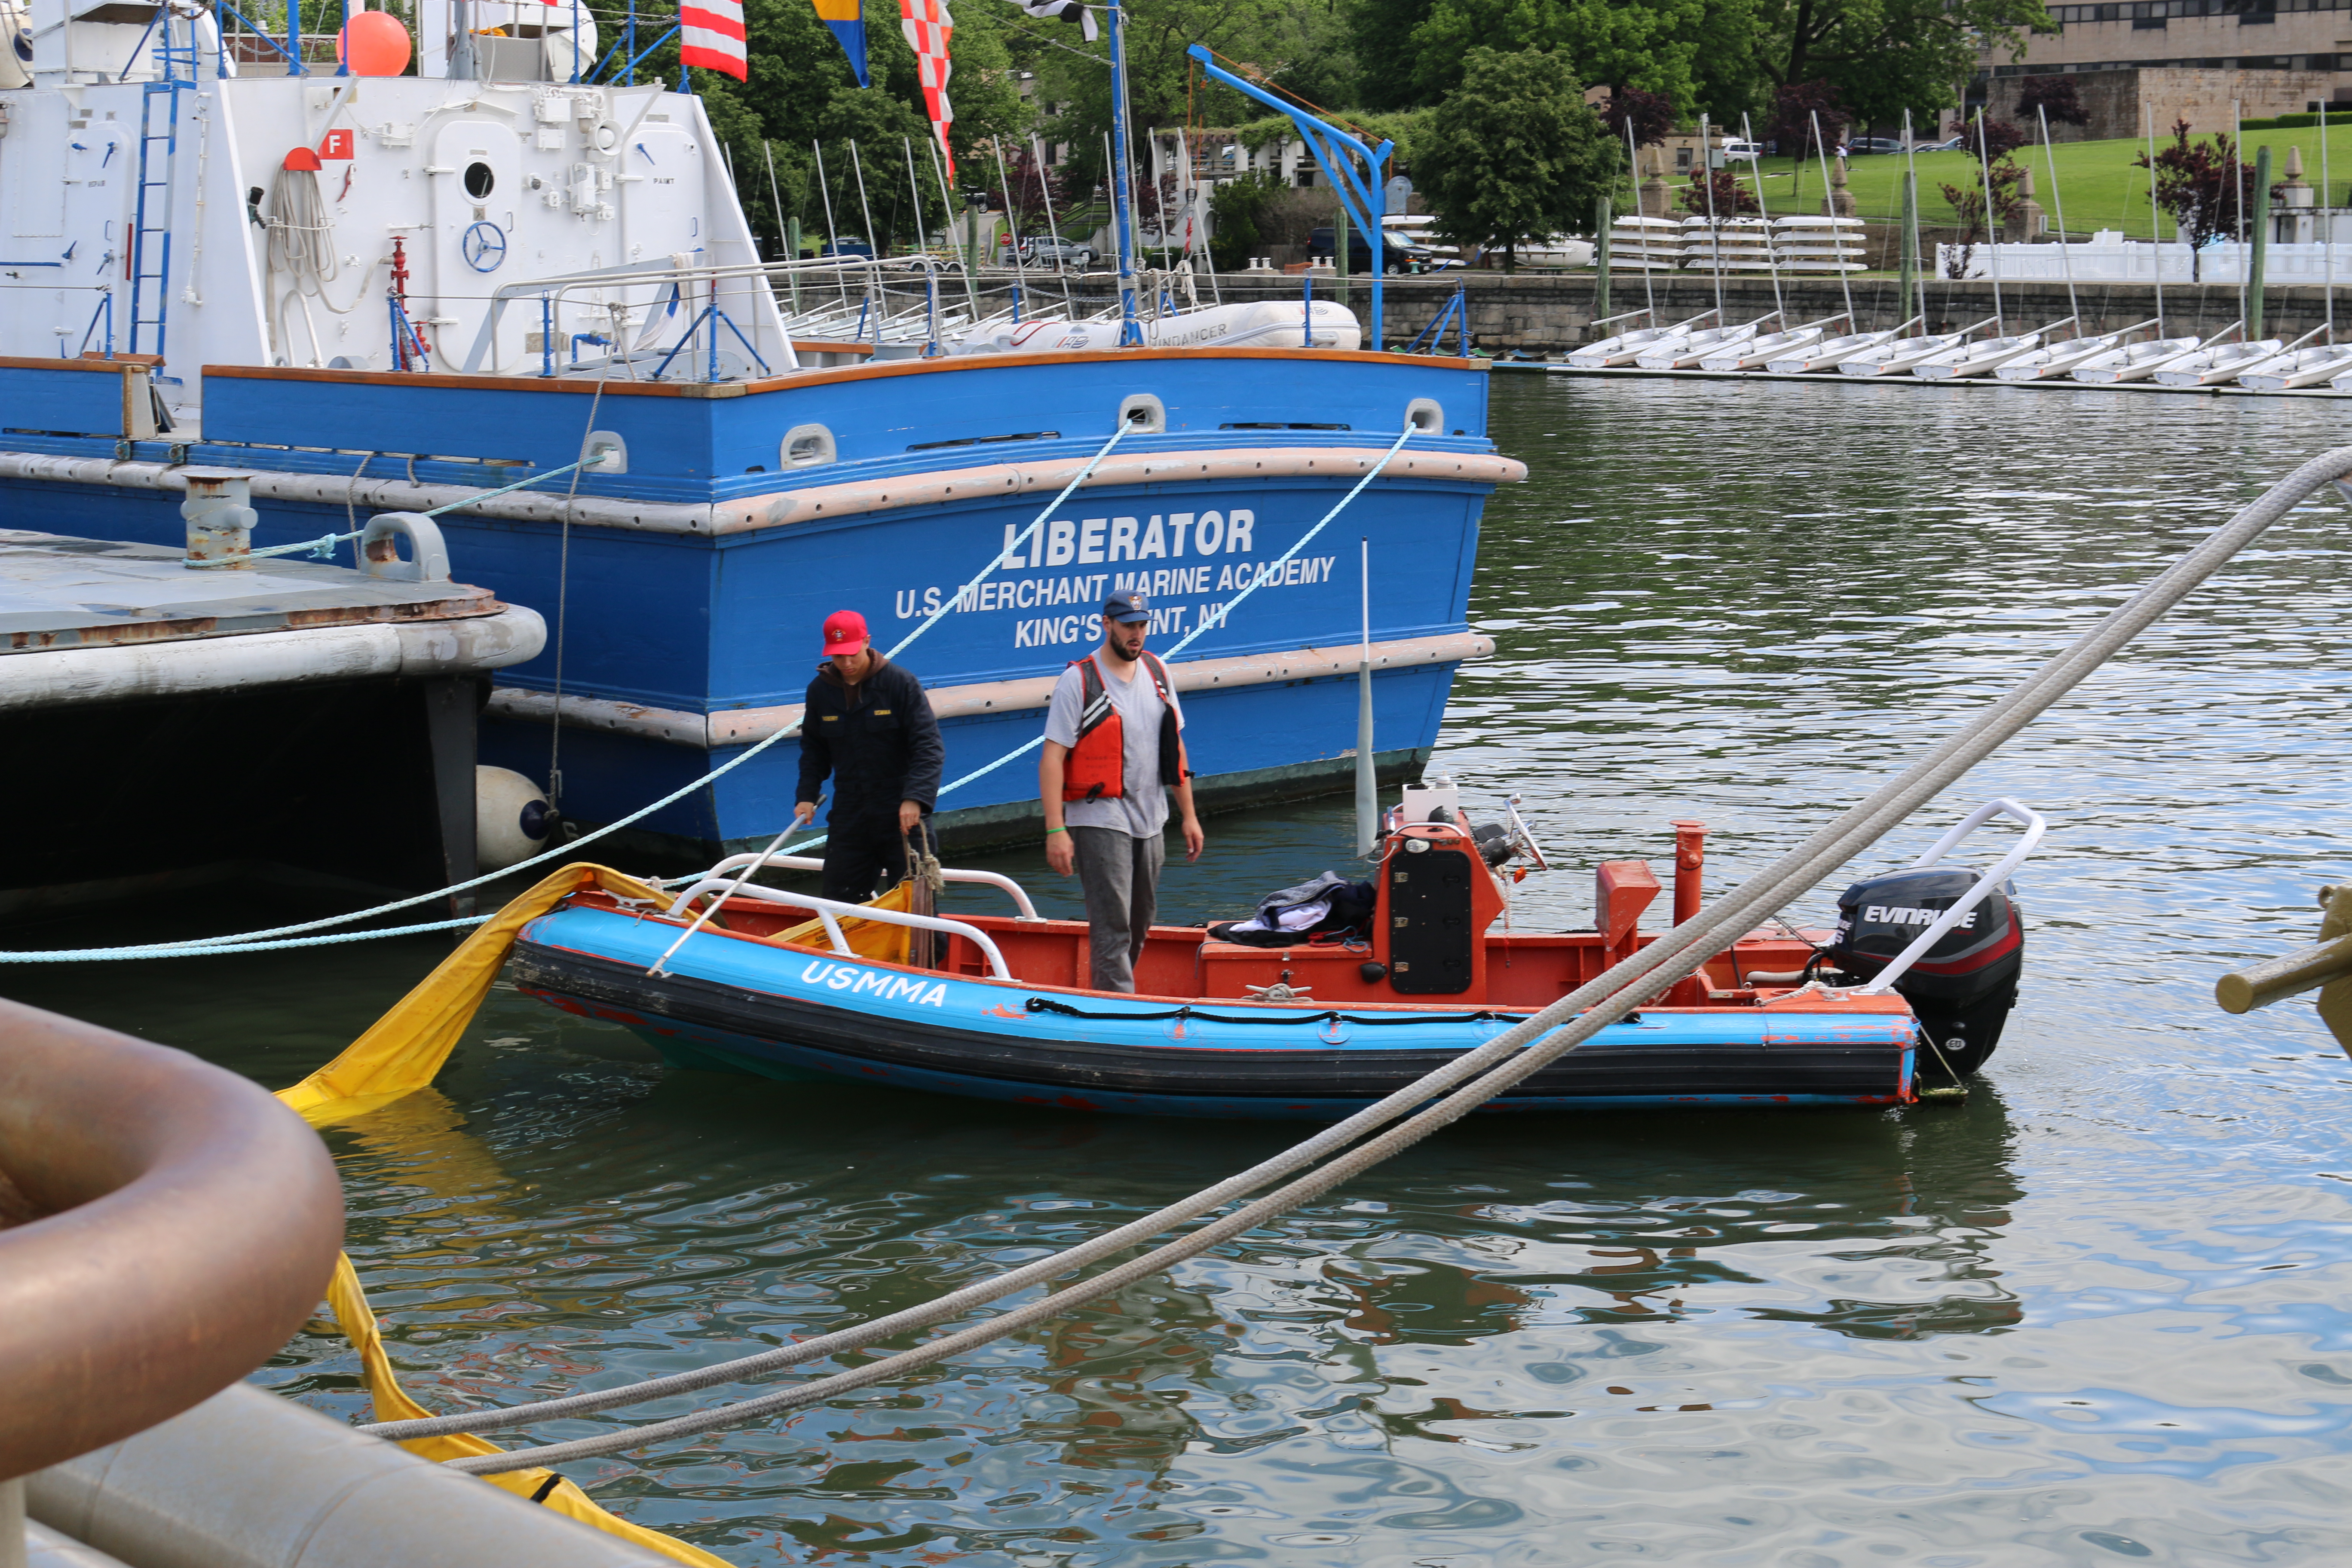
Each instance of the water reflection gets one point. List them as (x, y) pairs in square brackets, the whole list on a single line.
[(2095, 1313)]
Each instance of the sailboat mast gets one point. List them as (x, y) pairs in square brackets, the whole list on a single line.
[(2327, 224), (2058, 199), (1634, 161), (1771, 250), (1122, 206), (2154, 218), (1993, 223)]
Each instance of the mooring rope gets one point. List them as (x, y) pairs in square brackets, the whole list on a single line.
[(1467, 1082), (1223, 611), (252, 942)]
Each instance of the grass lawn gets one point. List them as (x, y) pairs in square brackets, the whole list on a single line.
[(2102, 186)]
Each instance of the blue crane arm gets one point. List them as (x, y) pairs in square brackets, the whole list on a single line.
[(1364, 202)]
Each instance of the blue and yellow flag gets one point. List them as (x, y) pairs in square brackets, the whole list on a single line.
[(848, 25)]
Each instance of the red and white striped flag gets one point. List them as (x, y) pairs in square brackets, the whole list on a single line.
[(710, 34), (929, 27)]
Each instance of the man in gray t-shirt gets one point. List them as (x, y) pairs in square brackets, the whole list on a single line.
[(1114, 746)]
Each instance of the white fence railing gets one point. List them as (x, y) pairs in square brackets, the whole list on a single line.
[(2108, 258)]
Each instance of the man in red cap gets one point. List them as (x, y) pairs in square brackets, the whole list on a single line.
[(867, 724)]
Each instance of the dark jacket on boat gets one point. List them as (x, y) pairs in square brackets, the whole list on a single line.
[(877, 740)]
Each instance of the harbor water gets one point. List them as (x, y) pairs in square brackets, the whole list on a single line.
[(2095, 1315)]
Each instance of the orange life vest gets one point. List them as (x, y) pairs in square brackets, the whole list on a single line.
[(1096, 768)]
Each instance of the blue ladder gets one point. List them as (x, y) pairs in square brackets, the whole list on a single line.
[(151, 224)]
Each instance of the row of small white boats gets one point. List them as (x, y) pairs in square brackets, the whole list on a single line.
[(2046, 354)]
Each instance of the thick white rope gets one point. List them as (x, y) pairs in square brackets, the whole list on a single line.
[(252, 941), (1673, 956)]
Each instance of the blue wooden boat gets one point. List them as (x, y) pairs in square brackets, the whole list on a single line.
[(1217, 1027)]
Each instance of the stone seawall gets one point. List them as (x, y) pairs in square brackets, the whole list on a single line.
[(1550, 314)]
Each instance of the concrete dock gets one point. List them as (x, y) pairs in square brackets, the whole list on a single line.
[(171, 717)]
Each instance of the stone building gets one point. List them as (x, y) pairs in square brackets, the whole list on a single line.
[(2182, 59), (2117, 99)]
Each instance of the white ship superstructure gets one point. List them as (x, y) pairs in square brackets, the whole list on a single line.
[(159, 194)]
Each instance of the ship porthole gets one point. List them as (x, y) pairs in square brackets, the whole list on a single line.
[(480, 180)]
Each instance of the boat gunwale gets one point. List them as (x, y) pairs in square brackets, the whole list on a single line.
[(1185, 1074), (816, 376), (1284, 1014)]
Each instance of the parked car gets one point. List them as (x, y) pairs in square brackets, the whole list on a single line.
[(1876, 144), (857, 247), (1949, 144), (1399, 251), (1045, 249), (1734, 150)]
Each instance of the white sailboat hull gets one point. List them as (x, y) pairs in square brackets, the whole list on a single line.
[(1697, 348), (1761, 351), (1976, 359), (1898, 357), (2052, 363), (1830, 354), (2306, 367), (2136, 362), (1623, 348), (2211, 367)]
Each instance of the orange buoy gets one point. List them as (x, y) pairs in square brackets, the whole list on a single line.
[(374, 42)]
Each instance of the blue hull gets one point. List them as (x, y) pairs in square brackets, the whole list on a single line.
[(690, 586), (794, 1012)]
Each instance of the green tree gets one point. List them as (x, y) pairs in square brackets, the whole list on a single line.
[(1301, 49), (801, 91), (1387, 63), (1652, 45), (1881, 57), (1235, 208), (1514, 152)]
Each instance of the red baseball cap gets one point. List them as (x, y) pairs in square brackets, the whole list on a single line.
[(844, 632)]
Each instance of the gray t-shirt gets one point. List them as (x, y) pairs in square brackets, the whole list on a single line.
[(1142, 811)]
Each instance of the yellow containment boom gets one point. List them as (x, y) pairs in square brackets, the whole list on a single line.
[(399, 1053)]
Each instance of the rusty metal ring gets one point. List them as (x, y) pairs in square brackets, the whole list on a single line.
[(184, 1225)]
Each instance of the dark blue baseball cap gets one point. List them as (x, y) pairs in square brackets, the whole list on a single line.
[(1126, 609)]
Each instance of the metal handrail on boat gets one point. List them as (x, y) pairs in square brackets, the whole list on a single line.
[(814, 863), (1336, 1154), (2001, 805), (829, 910)]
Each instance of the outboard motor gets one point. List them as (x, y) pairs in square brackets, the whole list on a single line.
[(1962, 988)]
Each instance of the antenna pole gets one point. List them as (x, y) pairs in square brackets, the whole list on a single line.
[(1121, 194), (1368, 793)]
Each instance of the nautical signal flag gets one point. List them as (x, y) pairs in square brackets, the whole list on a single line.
[(1062, 11), (847, 20), (710, 34), (929, 27)]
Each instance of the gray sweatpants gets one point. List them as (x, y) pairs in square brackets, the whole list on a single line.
[(1120, 874)]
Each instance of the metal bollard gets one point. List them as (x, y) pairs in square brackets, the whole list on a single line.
[(220, 517)]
